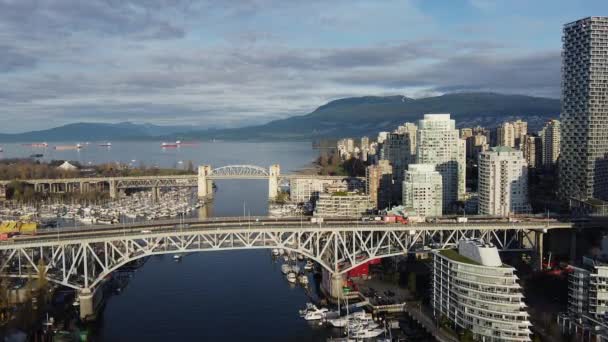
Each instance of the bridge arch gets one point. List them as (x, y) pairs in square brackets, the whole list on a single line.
[(206, 176)]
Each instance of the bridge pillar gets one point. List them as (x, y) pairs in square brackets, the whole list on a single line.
[(155, 191), (205, 186), (113, 190), (2, 192), (273, 181), (87, 307)]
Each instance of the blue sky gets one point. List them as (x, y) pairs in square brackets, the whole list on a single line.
[(218, 63)]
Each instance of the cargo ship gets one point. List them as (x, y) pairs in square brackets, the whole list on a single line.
[(171, 145), (68, 147), (36, 145)]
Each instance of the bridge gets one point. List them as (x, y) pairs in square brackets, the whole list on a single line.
[(203, 181), (80, 258)]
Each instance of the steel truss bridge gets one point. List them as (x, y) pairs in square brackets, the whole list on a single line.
[(82, 258)]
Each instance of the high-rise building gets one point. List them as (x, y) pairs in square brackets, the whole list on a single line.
[(364, 148), (466, 132), (379, 180), (397, 150), (439, 143), (503, 182), (511, 133), (532, 149), (476, 144), (550, 136), (505, 135), (583, 164), (422, 190), (474, 290), (409, 129)]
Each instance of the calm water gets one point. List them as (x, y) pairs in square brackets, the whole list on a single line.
[(212, 296)]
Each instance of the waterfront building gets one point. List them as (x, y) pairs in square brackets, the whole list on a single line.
[(532, 150), (503, 182), (342, 204), (550, 136), (474, 290), (588, 298), (439, 143), (379, 181), (422, 190), (303, 190), (583, 164)]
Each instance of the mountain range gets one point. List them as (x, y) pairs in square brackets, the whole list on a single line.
[(355, 116)]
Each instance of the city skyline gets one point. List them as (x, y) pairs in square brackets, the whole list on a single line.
[(226, 64)]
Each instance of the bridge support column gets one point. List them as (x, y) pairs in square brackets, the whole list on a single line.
[(205, 186), (87, 307), (155, 193), (539, 249), (273, 181), (332, 284), (113, 190)]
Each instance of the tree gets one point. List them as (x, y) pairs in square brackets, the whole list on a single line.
[(467, 336)]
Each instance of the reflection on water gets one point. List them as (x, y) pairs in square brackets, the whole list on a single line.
[(220, 295)]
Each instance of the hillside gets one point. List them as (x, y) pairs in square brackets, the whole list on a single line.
[(96, 132), (371, 114), (355, 116)]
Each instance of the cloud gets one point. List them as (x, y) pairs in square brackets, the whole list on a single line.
[(222, 63)]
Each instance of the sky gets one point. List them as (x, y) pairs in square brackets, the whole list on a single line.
[(233, 63)]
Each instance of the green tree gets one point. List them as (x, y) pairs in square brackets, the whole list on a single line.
[(467, 336)]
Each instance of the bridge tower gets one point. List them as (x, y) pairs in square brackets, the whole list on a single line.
[(273, 181), (205, 185)]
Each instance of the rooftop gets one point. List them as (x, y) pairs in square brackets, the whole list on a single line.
[(454, 255)]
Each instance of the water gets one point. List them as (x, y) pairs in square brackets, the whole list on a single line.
[(211, 296)]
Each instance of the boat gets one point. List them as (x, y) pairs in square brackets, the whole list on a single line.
[(108, 144), (177, 257), (275, 252), (291, 277), (303, 279), (366, 333), (341, 322), (315, 315), (35, 155), (285, 268), (170, 145)]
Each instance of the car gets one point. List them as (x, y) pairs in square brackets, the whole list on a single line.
[(146, 231)]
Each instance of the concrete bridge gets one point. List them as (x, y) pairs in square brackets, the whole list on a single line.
[(81, 258), (203, 181)]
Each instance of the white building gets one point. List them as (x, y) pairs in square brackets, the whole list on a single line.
[(306, 189), (587, 300), (474, 290), (409, 129), (439, 143), (342, 204), (550, 136), (503, 182), (422, 190)]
